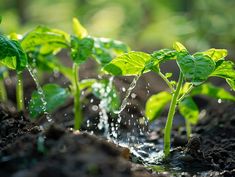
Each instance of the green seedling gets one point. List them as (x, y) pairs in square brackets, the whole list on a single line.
[(13, 57), (42, 45), (194, 70)]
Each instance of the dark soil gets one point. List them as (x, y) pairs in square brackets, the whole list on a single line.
[(57, 152), (211, 150)]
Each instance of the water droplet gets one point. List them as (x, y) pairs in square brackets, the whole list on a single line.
[(133, 95), (94, 107)]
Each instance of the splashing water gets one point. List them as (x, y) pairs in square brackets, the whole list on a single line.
[(33, 73), (114, 127), (103, 105), (128, 93)]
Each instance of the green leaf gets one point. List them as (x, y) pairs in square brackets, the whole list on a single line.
[(12, 54), (86, 83), (212, 91), (164, 55), (231, 83), (215, 54), (78, 29), (189, 110), (132, 63), (106, 49), (46, 40), (155, 104), (196, 68), (55, 96), (179, 47), (81, 49), (106, 92), (225, 69)]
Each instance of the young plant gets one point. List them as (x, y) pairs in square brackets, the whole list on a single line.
[(42, 45), (194, 70), (13, 56)]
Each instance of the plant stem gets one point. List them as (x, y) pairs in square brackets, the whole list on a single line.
[(3, 93), (77, 105), (171, 113), (188, 128), (19, 92), (166, 80), (186, 93)]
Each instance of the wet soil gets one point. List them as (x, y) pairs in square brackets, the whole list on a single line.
[(211, 149), (26, 151), (59, 152)]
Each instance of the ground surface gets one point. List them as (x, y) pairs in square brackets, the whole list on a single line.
[(26, 151)]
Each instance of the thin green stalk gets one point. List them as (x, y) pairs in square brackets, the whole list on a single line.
[(171, 113), (3, 93), (167, 81), (77, 104), (188, 128), (19, 92)]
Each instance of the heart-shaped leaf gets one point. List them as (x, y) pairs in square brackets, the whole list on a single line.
[(196, 68)]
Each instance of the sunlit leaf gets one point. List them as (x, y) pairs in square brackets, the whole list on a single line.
[(226, 70), (55, 96), (46, 40), (106, 49), (106, 92), (212, 91), (132, 63), (156, 104), (197, 68), (78, 29), (81, 49), (215, 54), (231, 83), (179, 47), (12, 54), (189, 110)]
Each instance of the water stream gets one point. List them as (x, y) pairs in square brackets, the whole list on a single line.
[(128, 93), (33, 73)]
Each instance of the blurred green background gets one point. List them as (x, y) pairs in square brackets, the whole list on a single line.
[(143, 24)]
